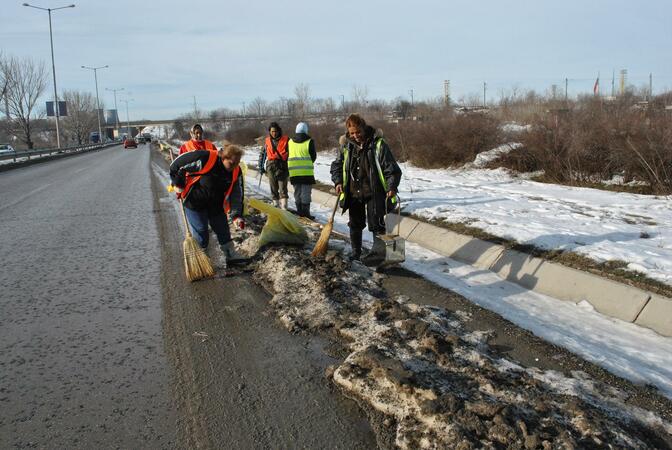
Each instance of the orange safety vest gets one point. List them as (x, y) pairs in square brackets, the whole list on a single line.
[(281, 150), (192, 145), (195, 176)]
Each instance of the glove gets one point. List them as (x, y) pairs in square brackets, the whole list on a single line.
[(239, 223)]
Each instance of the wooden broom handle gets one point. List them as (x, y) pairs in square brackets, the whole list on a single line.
[(184, 214)]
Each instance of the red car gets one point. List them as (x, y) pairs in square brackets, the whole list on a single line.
[(130, 142)]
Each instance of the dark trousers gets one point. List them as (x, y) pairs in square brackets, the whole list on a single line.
[(278, 176), (199, 220), (363, 212)]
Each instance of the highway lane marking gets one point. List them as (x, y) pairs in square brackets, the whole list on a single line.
[(25, 196)]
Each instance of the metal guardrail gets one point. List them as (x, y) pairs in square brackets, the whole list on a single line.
[(28, 154)]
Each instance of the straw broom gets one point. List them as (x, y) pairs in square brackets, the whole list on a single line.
[(323, 242), (197, 265)]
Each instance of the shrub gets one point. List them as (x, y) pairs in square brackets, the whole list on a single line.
[(443, 140)]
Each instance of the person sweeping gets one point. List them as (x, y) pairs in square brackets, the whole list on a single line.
[(210, 184)]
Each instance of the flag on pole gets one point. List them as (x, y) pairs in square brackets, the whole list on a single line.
[(596, 86)]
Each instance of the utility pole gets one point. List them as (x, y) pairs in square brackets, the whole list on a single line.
[(243, 109), (411, 92), (566, 86), (446, 92), (95, 76), (195, 110), (343, 102), (128, 120), (485, 87), (53, 68), (650, 86), (613, 81), (116, 111)]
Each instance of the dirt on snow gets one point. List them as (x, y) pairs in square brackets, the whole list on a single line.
[(425, 380)]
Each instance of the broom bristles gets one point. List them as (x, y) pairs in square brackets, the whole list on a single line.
[(323, 242), (196, 263)]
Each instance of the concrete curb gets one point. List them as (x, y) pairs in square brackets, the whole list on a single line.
[(608, 297)]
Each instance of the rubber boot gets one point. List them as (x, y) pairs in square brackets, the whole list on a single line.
[(283, 204), (356, 244), (231, 255), (299, 210)]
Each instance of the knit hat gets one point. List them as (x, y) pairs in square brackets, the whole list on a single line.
[(301, 127)]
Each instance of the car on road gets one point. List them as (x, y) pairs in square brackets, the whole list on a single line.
[(130, 142), (6, 149)]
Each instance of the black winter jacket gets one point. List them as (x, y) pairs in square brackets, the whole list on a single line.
[(389, 167), (208, 192)]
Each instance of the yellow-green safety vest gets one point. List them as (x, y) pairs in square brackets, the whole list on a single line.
[(299, 161)]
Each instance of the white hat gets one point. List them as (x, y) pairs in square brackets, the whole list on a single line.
[(302, 127)]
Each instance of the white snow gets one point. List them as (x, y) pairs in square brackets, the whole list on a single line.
[(600, 224)]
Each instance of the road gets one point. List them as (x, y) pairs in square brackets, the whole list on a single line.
[(102, 341)]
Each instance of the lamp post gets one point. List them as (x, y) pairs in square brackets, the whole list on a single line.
[(53, 66), (116, 111), (95, 76), (128, 121)]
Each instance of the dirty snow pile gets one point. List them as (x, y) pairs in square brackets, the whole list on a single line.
[(437, 385)]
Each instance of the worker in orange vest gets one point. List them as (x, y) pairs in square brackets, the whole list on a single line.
[(197, 142), (210, 184), (273, 160)]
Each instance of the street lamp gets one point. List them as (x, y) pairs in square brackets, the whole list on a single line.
[(95, 76), (128, 121), (116, 111), (53, 66)]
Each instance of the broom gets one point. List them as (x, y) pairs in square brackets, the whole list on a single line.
[(196, 263), (323, 242)]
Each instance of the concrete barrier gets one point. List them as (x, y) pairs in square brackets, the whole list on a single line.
[(608, 297), (657, 315)]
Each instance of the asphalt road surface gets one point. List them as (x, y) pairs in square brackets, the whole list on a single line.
[(104, 344)]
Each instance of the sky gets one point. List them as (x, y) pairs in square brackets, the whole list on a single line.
[(165, 53)]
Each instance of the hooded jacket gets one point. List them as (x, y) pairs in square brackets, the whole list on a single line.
[(389, 169)]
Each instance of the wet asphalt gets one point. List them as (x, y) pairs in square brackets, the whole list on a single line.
[(82, 361)]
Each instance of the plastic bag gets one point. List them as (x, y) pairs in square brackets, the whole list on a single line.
[(282, 227)]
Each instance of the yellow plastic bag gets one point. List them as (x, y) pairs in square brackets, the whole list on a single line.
[(282, 227)]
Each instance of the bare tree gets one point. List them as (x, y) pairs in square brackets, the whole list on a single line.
[(360, 95), (26, 81), (81, 118), (259, 106), (302, 92)]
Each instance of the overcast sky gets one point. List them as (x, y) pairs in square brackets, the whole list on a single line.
[(228, 52)]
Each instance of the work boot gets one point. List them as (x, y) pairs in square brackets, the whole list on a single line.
[(356, 244), (231, 255), (299, 209), (276, 203), (306, 211), (283, 204)]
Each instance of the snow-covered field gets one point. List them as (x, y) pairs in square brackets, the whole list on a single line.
[(601, 225)]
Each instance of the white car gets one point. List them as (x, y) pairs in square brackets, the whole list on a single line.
[(6, 149)]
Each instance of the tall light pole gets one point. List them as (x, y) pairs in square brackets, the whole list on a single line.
[(53, 66), (116, 111), (95, 76), (128, 121)]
